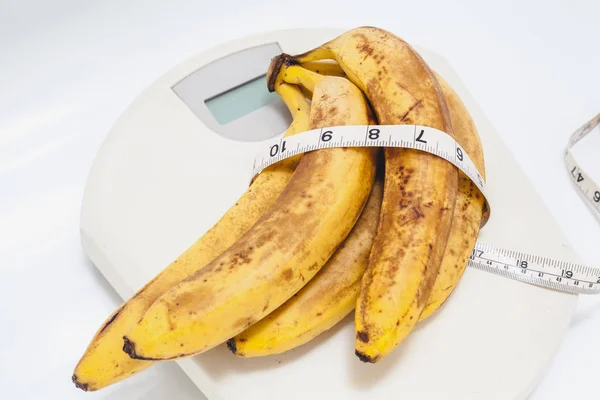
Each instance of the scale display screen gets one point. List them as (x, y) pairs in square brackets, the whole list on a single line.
[(241, 100), (230, 95)]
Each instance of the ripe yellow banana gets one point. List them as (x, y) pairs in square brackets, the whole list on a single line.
[(279, 254), (419, 192), (469, 207), (104, 361), (324, 301)]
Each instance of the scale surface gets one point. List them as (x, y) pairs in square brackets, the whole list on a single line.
[(161, 179)]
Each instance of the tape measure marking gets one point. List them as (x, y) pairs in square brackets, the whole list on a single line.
[(416, 137), (518, 266), (536, 270), (583, 182)]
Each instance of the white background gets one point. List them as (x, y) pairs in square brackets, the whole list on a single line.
[(68, 68)]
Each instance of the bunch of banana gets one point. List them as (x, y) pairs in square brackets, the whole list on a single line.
[(332, 294), (316, 236)]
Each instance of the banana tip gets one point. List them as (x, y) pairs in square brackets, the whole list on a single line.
[(79, 385), (364, 358), (232, 346)]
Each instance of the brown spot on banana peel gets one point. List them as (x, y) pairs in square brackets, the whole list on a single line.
[(129, 348), (412, 109), (191, 302), (363, 336), (319, 114), (417, 210), (411, 218), (365, 48), (287, 274)]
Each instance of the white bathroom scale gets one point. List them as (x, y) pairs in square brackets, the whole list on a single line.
[(181, 155)]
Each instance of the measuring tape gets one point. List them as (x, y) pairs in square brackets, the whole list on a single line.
[(536, 270)]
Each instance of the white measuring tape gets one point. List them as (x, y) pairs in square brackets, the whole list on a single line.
[(536, 270)]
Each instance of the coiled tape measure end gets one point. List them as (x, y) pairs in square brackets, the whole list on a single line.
[(587, 187)]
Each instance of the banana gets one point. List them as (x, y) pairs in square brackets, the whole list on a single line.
[(324, 301), (104, 363), (279, 254), (469, 207), (419, 191)]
